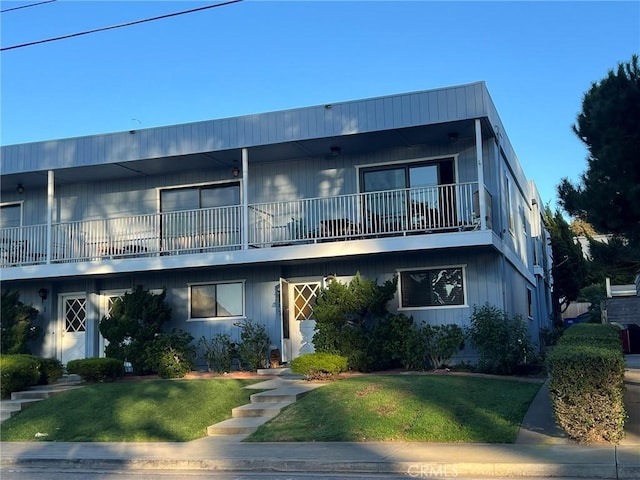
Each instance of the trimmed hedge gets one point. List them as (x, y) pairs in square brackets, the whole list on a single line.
[(319, 365), (586, 372), (51, 370), (18, 372), (97, 369)]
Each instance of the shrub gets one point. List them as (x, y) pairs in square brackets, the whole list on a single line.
[(346, 316), (171, 355), (502, 341), (316, 366), (50, 370), (97, 369), (18, 372), (441, 342), (135, 320), (388, 343), (219, 352), (255, 344), (16, 324), (586, 384)]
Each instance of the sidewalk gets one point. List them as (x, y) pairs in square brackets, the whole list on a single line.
[(541, 451)]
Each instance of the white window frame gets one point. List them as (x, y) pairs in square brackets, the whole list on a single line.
[(463, 267), (218, 282), (530, 308)]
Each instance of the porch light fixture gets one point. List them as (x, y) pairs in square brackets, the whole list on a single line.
[(20, 188), (335, 151), (43, 292), (235, 171)]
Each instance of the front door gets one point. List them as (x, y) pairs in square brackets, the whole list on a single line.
[(73, 328), (302, 297)]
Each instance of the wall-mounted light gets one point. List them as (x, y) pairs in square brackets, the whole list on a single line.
[(20, 188), (534, 201), (235, 171), (43, 292), (335, 151)]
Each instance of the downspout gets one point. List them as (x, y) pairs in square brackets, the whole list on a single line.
[(245, 199), (50, 198)]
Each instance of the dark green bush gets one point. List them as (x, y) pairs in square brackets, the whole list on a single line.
[(50, 370), (255, 344), (502, 342), (586, 383), (97, 369), (388, 343), (347, 315), (219, 352), (591, 333), (319, 365), (135, 321), (18, 372), (171, 355), (16, 324), (439, 343)]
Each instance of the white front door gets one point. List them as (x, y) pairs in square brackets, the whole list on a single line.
[(73, 327), (302, 297)]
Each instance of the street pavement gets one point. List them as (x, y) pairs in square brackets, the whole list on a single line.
[(540, 451)]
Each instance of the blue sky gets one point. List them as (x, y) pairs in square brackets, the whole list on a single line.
[(537, 58)]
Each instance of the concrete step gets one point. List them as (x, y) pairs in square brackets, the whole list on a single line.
[(8, 408), (42, 391), (274, 371), (289, 393), (261, 409), (237, 426)]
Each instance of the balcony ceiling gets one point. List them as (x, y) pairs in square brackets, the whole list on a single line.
[(318, 147)]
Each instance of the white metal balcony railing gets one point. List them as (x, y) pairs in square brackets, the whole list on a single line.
[(344, 217)]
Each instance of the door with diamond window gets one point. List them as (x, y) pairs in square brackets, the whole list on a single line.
[(73, 328), (302, 298)]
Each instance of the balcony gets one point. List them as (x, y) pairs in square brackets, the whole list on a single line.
[(393, 213)]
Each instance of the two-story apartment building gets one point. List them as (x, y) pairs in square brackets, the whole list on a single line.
[(248, 217)]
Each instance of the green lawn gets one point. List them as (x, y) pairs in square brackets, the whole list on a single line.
[(149, 410), (405, 408)]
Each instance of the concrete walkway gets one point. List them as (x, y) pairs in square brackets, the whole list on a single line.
[(540, 452)]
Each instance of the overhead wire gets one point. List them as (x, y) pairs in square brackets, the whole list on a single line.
[(26, 6), (112, 27)]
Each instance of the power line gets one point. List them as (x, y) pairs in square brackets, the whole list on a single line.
[(26, 6), (112, 27)]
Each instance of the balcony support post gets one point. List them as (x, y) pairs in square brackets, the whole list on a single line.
[(50, 206), (481, 192), (245, 199)]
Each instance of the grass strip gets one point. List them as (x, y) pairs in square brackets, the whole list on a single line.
[(140, 411), (405, 408)]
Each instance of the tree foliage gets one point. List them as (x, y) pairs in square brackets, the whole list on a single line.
[(16, 324), (569, 266), (608, 194), (135, 321)]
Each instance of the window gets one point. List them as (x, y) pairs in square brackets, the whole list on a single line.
[(10, 215), (435, 287), (396, 207), (529, 303), (507, 194), (216, 300)]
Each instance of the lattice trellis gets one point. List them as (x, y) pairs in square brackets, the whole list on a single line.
[(304, 297), (75, 315)]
